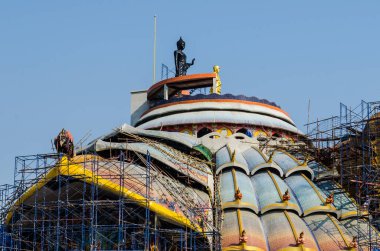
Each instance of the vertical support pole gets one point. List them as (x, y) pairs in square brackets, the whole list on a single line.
[(308, 118), (50, 233), (166, 92), (181, 240), (214, 85), (83, 232), (195, 241), (92, 214), (358, 212), (164, 71), (363, 152), (133, 237), (154, 49), (43, 213), (368, 163), (147, 195), (191, 240), (155, 231), (95, 201), (58, 214), (66, 208), (35, 207), (120, 245), (341, 122)]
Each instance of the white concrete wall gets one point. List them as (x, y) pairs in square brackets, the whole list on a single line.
[(138, 106)]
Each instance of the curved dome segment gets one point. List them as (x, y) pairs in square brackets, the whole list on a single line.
[(252, 225), (270, 189), (216, 110), (216, 104), (235, 221), (233, 117), (283, 229), (366, 235), (254, 157), (284, 160), (124, 130), (225, 158), (290, 164), (230, 229), (311, 198), (258, 161), (222, 156), (230, 182), (182, 138), (345, 205), (329, 232), (80, 169), (161, 155)]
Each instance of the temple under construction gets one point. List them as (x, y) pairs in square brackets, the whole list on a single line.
[(202, 170)]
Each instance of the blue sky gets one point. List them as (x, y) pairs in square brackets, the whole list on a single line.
[(73, 64)]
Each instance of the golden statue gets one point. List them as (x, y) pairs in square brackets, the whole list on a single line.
[(218, 88)]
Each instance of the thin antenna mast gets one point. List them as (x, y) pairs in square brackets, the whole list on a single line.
[(308, 117), (154, 50)]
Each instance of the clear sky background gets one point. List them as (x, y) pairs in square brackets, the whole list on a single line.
[(73, 64)]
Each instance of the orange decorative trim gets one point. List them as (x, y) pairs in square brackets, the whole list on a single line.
[(186, 78)]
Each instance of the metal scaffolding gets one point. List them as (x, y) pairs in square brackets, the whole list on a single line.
[(350, 144), (42, 211)]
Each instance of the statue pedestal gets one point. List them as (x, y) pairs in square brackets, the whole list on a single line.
[(167, 88)]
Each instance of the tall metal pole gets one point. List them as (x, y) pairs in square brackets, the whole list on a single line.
[(147, 195), (308, 117), (154, 49)]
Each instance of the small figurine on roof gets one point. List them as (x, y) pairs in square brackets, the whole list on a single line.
[(243, 237), (286, 196), (238, 194), (330, 199), (301, 239), (218, 87), (64, 143)]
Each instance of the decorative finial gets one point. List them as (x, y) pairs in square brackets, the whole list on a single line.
[(238, 194), (301, 239), (243, 237), (330, 198), (354, 242), (286, 196)]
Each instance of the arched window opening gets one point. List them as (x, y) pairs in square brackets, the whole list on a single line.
[(245, 131), (202, 132), (276, 135)]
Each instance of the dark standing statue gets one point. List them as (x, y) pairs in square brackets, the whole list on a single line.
[(180, 59)]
